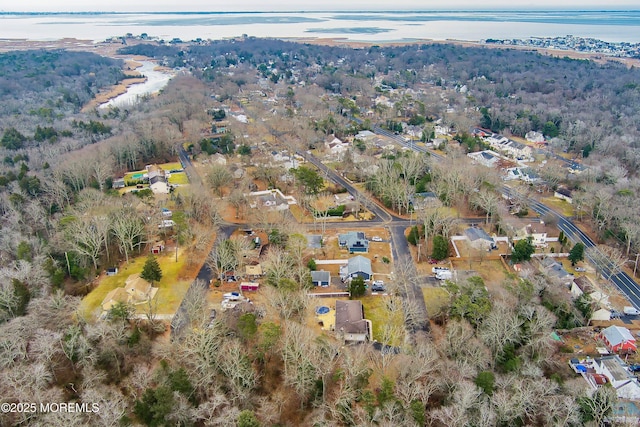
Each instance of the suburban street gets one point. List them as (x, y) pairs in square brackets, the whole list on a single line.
[(620, 279)]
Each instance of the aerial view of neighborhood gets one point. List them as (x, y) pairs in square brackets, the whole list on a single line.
[(262, 232)]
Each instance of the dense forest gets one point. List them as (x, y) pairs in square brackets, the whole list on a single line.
[(489, 359)]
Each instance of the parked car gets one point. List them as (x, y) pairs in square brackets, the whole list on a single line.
[(630, 311), (580, 269), (378, 287), (376, 239)]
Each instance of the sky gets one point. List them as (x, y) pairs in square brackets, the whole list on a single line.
[(293, 5)]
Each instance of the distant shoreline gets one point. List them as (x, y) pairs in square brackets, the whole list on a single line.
[(110, 49)]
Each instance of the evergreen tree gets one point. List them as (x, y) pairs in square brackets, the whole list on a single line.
[(151, 270), (357, 287), (522, 250), (576, 253), (440, 248)]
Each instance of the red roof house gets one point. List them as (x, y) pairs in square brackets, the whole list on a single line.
[(618, 339)]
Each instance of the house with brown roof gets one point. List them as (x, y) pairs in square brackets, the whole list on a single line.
[(118, 295), (350, 324)]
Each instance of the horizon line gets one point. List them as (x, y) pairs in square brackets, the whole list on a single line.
[(395, 11)]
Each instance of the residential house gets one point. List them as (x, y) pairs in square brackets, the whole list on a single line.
[(479, 239), (271, 199), (512, 148), (486, 158), (621, 379), (529, 176), (425, 200), (139, 289), (320, 278), (555, 269), (157, 180), (523, 228), (618, 339), (336, 146), (350, 323), (533, 136), (581, 285), (353, 241), (564, 194), (118, 295), (357, 266)]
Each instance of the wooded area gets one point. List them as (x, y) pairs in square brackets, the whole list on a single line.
[(489, 362)]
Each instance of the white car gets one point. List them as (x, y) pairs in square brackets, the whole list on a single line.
[(376, 239), (580, 269)]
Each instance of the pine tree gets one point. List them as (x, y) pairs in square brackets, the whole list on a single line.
[(576, 253), (440, 248), (151, 270)]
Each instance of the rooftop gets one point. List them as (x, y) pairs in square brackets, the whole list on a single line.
[(350, 317)]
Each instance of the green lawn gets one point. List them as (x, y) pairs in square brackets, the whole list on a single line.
[(170, 293), (179, 178), (375, 309), (171, 166), (561, 206), (435, 299)]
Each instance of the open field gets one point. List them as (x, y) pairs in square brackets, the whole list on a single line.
[(171, 289)]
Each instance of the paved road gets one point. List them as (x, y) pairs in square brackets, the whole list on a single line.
[(620, 279), (192, 173), (419, 320), (381, 214)]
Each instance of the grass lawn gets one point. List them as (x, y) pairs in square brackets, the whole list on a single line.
[(562, 206), (436, 299), (376, 309), (171, 166), (171, 288), (179, 178)]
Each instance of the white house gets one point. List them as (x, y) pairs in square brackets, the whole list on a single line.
[(533, 136), (157, 180), (486, 158), (270, 199), (336, 146)]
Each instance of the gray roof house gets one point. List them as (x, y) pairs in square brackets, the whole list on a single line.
[(478, 238), (350, 322), (555, 269), (354, 241), (357, 266), (321, 278)]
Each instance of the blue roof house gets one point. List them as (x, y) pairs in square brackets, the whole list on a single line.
[(353, 241)]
